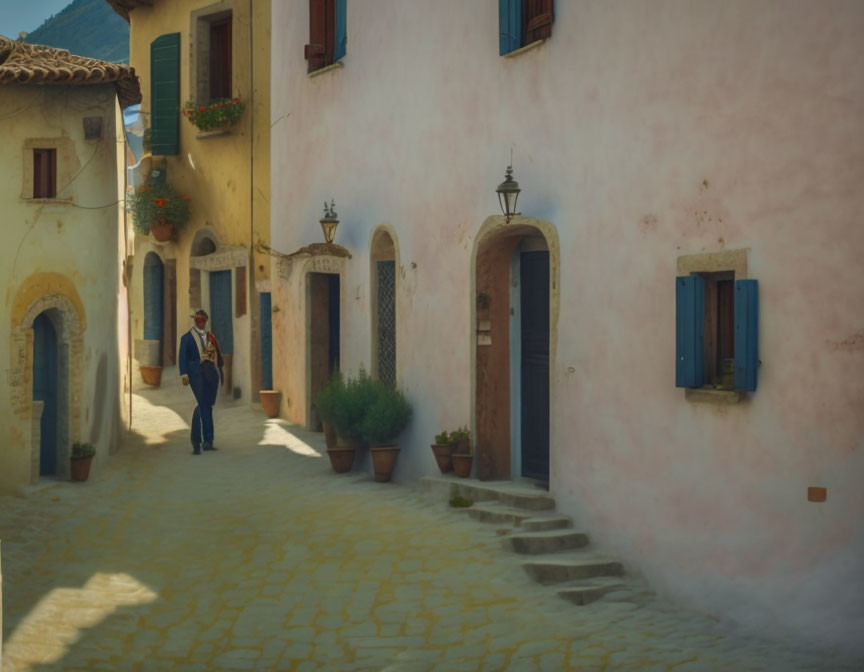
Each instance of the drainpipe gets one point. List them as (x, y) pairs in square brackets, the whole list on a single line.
[(253, 361)]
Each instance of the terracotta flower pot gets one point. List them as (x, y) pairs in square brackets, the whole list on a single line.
[(270, 400), (462, 465), (341, 458), (384, 461), (162, 231), (81, 468), (152, 375), (330, 436), (443, 456)]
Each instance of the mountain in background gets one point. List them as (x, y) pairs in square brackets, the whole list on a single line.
[(86, 28)]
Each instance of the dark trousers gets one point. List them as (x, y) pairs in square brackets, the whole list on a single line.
[(205, 385)]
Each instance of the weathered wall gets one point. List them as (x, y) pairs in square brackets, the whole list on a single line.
[(60, 254), (642, 132), (227, 177)]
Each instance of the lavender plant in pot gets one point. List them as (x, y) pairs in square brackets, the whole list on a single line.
[(385, 420)]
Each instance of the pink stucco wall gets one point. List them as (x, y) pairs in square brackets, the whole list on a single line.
[(641, 132)]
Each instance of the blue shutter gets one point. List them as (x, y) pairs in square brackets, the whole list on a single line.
[(165, 95), (266, 342), (510, 25), (746, 334), (689, 325), (341, 30), (221, 316)]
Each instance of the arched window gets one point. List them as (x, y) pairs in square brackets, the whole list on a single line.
[(383, 283)]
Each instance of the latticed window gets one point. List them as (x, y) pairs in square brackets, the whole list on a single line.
[(387, 322)]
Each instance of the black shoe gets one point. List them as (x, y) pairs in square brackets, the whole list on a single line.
[(196, 449), (209, 446)]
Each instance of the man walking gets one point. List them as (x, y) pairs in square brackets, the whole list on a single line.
[(201, 369)]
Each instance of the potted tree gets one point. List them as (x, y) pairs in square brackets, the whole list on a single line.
[(345, 411), (462, 457), (81, 458), (158, 209), (388, 415), (442, 449)]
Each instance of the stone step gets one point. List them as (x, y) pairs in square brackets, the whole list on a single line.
[(554, 522), (493, 512), (516, 494), (562, 567), (590, 590), (546, 541)]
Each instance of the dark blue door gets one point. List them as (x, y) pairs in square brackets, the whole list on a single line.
[(535, 364), (153, 293), (221, 323), (266, 343), (45, 390)]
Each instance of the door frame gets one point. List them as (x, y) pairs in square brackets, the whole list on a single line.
[(494, 228), (307, 293)]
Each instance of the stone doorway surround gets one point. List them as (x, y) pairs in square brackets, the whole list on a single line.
[(291, 319), (490, 329), (55, 294)]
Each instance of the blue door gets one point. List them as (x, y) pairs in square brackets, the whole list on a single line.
[(221, 322), (266, 342), (153, 293), (45, 390)]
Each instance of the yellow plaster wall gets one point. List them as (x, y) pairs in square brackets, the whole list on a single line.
[(227, 177), (65, 248)]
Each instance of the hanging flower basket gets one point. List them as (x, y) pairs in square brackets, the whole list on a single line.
[(220, 114), (160, 210)]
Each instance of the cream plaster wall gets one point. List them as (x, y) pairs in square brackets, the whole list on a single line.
[(63, 255), (227, 177), (642, 132)]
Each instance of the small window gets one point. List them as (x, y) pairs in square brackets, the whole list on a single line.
[(213, 54), (523, 22), (716, 331), (327, 33), (44, 173)]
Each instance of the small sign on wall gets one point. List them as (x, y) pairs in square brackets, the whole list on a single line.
[(484, 339)]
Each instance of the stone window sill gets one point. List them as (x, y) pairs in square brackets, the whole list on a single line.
[(326, 68), (709, 395), (213, 134), (49, 201), (527, 47)]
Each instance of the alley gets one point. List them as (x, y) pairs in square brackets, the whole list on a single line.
[(258, 557)]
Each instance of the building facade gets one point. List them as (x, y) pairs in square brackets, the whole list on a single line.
[(200, 52), (64, 309), (670, 333)]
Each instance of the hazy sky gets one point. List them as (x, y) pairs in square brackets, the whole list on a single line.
[(18, 15)]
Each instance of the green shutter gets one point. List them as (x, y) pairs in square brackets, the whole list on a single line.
[(165, 95), (746, 334)]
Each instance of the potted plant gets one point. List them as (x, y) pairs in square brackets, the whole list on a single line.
[(442, 449), (328, 404), (160, 210), (82, 456), (270, 401), (217, 115), (462, 457), (388, 415)]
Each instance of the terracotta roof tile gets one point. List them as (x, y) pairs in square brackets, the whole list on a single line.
[(22, 63)]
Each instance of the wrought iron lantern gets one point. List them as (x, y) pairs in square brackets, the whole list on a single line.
[(508, 194), (329, 222)]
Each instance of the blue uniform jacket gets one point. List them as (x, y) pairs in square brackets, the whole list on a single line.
[(190, 358)]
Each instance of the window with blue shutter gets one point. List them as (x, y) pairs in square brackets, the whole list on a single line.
[(689, 327), (522, 22), (328, 37), (266, 342), (746, 334), (165, 95), (340, 42)]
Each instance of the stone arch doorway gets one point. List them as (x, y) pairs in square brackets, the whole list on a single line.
[(384, 265), (48, 380), (514, 318)]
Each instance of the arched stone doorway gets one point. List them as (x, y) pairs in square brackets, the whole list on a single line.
[(384, 265), (514, 318)]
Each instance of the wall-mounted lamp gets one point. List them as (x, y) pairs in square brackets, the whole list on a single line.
[(508, 194), (329, 222)]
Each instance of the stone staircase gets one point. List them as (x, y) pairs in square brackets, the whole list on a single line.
[(555, 554)]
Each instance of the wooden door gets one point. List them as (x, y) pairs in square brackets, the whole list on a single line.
[(535, 364), (45, 389)]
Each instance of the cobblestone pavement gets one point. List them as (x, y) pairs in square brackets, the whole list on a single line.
[(258, 557)]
